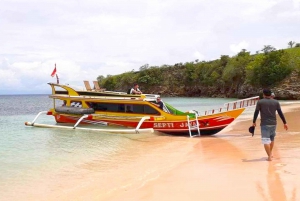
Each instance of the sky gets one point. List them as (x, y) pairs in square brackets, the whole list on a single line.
[(89, 38)]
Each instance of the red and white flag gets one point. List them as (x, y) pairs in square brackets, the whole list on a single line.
[(54, 71)]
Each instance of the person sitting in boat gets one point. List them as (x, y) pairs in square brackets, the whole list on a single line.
[(128, 109), (159, 103), (135, 89), (64, 103)]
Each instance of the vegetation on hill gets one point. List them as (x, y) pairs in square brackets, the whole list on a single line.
[(224, 77)]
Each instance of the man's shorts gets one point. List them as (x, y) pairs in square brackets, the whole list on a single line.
[(268, 133)]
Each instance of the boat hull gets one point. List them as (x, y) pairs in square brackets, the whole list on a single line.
[(208, 125)]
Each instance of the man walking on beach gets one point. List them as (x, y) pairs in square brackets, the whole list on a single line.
[(267, 108)]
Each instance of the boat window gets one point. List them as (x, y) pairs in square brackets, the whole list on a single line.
[(129, 109), (150, 110), (138, 109), (108, 107), (121, 108), (112, 107), (144, 109)]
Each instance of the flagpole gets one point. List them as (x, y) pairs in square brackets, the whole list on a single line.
[(54, 73), (57, 79)]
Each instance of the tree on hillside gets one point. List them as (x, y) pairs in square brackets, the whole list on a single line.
[(234, 73), (251, 68), (110, 82), (144, 67), (268, 48), (100, 79), (126, 80), (273, 68), (293, 58), (224, 60), (150, 76), (291, 44), (189, 75), (243, 52), (297, 45)]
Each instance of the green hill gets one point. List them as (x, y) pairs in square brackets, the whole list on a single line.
[(242, 75)]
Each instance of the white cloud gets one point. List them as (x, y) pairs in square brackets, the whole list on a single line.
[(199, 56), (100, 37), (238, 47), (296, 3)]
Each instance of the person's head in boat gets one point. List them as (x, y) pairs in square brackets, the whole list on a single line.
[(159, 103), (136, 86), (128, 108), (135, 89)]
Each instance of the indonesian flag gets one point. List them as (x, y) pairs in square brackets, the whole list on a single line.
[(54, 71)]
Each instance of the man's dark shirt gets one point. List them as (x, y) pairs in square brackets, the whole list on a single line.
[(161, 105), (267, 108)]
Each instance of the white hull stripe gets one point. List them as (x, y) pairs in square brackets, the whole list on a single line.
[(222, 118)]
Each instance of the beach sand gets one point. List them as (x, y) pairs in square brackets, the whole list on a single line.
[(232, 166), (228, 166)]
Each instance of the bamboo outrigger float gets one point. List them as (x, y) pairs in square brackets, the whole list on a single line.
[(135, 113)]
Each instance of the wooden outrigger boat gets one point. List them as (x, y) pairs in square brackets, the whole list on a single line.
[(135, 113)]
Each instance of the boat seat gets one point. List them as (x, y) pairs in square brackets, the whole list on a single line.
[(87, 85), (97, 87)]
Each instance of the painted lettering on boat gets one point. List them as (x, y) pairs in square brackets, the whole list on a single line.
[(182, 125), (163, 125), (201, 123)]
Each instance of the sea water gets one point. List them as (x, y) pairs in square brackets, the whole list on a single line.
[(36, 163)]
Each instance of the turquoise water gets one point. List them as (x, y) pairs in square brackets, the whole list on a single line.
[(31, 156)]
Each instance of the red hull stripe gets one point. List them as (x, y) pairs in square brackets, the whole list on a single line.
[(206, 124)]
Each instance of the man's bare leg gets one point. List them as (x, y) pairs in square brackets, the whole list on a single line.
[(271, 148), (267, 148)]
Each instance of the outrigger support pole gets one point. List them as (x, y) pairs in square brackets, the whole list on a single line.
[(140, 123), (32, 123), (81, 118), (119, 131)]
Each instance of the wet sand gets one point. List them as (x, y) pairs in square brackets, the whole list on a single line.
[(228, 166)]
